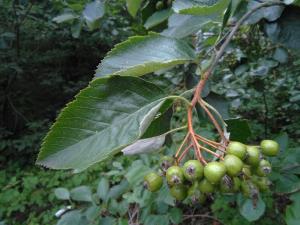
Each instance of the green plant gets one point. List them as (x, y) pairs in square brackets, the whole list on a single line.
[(136, 118)]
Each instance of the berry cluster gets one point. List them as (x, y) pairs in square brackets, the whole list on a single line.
[(243, 168)]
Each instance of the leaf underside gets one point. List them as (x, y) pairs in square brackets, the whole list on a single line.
[(140, 55), (108, 115), (205, 7)]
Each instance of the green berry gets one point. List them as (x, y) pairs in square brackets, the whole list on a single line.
[(230, 187), (233, 164), (262, 183), (253, 155), (193, 170), (269, 147), (166, 162), (236, 148), (246, 170), (179, 192), (206, 187), (174, 175), (195, 194), (264, 168), (214, 171), (153, 182)]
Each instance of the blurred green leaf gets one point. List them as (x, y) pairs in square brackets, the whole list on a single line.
[(292, 215), (175, 215), (81, 193), (133, 6), (157, 18), (252, 212), (103, 188), (62, 193)]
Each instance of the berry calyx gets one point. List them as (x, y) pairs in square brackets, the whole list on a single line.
[(206, 187), (253, 155), (214, 171), (174, 175), (269, 147), (179, 192), (237, 148), (153, 182), (230, 187), (193, 170), (233, 164)]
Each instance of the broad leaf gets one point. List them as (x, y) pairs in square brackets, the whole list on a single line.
[(81, 193), (144, 54), (133, 6), (206, 7), (252, 212), (292, 216), (94, 10), (110, 114), (270, 13), (62, 193), (103, 188), (146, 145), (157, 18), (180, 26), (64, 18), (72, 218)]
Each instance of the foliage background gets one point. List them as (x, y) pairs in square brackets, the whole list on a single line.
[(44, 64)]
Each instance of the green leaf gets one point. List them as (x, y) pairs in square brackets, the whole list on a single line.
[(133, 6), (144, 54), (157, 18), (81, 193), (175, 215), (71, 218), (252, 212), (62, 193), (157, 219), (292, 216), (98, 125), (180, 26), (103, 188), (270, 13), (117, 190), (283, 141), (64, 18), (219, 103), (205, 7), (136, 173), (239, 129), (281, 55), (287, 29), (94, 10)]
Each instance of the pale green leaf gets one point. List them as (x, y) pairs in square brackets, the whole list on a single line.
[(81, 193), (103, 188), (64, 18), (180, 26), (62, 193), (110, 114), (157, 18), (205, 7), (94, 10), (252, 212), (71, 218), (292, 216), (133, 6), (144, 54)]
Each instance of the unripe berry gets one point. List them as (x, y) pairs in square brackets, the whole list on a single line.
[(166, 162), (264, 168), (195, 194), (236, 148), (174, 175), (214, 171), (193, 170), (269, 147), (153, 182), (233, 164), (253, 155), (206, 187), (179, 192)]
